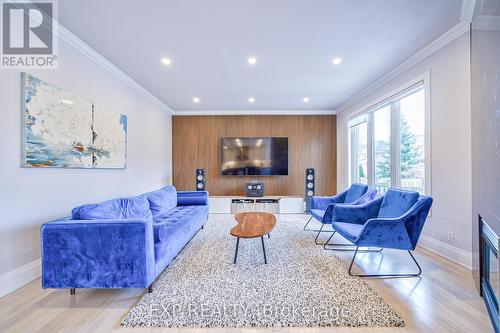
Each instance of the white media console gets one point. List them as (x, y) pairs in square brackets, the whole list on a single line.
[(270, 204)]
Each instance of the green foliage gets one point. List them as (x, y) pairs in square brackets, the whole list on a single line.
[(384, 164), (410, 154), (361, 172)]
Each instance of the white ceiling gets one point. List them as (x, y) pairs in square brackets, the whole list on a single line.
[(294, 41)]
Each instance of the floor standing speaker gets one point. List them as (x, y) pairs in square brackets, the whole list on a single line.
[(310, 187), (200, 179)]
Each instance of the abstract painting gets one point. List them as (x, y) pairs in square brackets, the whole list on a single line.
[(65, 130)]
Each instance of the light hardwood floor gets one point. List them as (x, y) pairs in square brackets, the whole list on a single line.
[(444, 300)]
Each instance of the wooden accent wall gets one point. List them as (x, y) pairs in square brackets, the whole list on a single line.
[(311, 143)]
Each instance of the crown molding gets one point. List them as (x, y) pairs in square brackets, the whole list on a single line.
[(253, 112), (467, 11), (431, 48), (71, 39)]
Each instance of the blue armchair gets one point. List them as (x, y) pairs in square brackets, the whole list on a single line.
[(321, 207), (393, 221)]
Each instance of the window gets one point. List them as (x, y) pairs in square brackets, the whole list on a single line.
[(388, 143), (412, 141), (359, 140), (382, 148)]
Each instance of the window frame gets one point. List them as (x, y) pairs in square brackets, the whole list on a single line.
[(366, 114), (359, 121)]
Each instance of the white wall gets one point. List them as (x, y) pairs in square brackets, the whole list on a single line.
[(450, 147), (30, 197)]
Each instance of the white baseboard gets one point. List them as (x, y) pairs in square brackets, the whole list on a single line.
[(19, 277), (445, 250)]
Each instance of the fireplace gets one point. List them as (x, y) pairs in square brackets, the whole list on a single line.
[(489, 270)]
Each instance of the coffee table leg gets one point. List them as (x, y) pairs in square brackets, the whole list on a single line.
[(263, 249), (236, 252)]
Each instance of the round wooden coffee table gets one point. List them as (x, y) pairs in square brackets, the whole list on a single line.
[(253, 225)]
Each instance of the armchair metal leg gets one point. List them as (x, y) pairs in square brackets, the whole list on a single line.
[(319, 233), (315, 230), (385, 275), (344, 247), (305, 226)]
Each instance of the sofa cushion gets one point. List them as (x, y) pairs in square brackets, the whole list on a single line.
[(178, 230), (162, 200), (355, 192), (116, 209), (396, 202), (178, 215)]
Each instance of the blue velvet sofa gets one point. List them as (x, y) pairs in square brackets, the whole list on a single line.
[(120, 243)]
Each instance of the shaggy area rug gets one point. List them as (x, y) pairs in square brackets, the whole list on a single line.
[(302, 284)]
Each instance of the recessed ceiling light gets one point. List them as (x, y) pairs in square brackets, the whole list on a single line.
[(166, 61), (251, 100), (196, 100), (252, 60), (337, 61), (305, 99)]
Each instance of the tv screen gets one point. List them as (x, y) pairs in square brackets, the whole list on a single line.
[(267, 156)]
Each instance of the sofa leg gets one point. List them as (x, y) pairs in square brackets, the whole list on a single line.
[(150, 288), (72, 291), (203, 226)]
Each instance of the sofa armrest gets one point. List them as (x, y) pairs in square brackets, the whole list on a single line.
[(192, 198), (322, 203), (357, 214), (97, 254)]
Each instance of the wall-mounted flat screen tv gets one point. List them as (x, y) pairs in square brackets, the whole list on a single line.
[(245, 156)]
